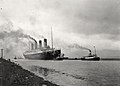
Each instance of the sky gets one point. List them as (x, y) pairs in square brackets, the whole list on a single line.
[(85, 22)]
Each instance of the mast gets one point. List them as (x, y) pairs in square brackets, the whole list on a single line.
[(51, 38)]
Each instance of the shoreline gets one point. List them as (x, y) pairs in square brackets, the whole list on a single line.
[(12, 74)]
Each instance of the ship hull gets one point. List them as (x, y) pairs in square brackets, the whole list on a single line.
[(92, 59), (42, 56)]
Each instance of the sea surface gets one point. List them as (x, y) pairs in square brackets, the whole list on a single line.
[(76, 72)]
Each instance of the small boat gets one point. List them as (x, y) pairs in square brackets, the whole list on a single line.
[(91, 56)]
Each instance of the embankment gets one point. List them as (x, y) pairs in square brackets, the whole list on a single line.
[(12, 74)]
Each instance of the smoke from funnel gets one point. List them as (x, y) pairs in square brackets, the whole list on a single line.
[(78, 47), (34, 41), (41, 36), (14, 42)]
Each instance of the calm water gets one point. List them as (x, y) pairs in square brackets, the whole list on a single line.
[(76, 73)]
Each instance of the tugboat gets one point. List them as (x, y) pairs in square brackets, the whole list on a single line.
[(91, 56)]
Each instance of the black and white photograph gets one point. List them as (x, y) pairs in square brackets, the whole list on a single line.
[(59, 43)]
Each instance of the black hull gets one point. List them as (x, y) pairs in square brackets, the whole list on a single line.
[(91, 59), (42, 56)]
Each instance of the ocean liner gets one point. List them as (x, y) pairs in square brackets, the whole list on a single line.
[(42, 52)]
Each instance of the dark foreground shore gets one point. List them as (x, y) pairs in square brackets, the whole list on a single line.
[(12, 74)]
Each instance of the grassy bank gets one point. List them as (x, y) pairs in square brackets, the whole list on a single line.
[(12, 74)]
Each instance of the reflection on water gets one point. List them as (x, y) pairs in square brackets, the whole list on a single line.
[(48, 73), (45, 72), (77, 73), (41, 70)]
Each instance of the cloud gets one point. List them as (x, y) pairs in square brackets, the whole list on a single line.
[(95, 17), (84, 22), (84, 16)]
